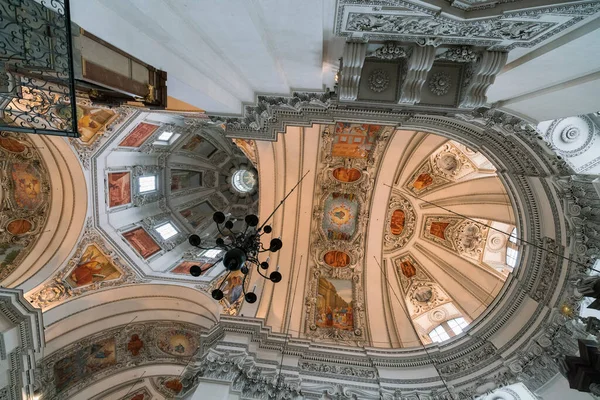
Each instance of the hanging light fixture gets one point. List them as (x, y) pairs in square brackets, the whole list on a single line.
[(242, 249)]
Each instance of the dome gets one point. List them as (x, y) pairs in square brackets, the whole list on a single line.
[(409, 223)]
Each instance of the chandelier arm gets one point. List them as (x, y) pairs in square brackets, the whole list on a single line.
[(244, 284), (282, 201), (224, 279), (260, 273)]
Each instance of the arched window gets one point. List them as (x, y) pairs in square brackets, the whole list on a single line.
[(512, 249), (448, 329)]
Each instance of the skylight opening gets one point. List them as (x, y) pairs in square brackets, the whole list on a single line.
[(511, 257), (212, 253), (166, 231), (147, 183), (165, 136)]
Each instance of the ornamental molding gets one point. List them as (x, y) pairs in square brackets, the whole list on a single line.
[(85, 151), (392, 241), (440, 83), (412, 22), (350, 246), (57, 290), (379, 80), (150, 337), (572, 136), (29, 167), (390, 51), (461, 54)]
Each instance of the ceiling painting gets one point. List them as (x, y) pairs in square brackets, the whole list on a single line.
[(199, 145), (464, 236), (334, 304), (87, 361), (108, 352), (138, 394), (341, 213), (119, 189), (354, 140), (93, 266), (346, 175), (183, 268), (24, 199), (198, 213), (92, 122), (445, 165), (421, 292), (336, 259), (139, 135), (169, 386), (177, 342), (233, 291), (400, 223), (142, 242), (350, 155)]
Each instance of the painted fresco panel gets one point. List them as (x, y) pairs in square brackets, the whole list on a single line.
[(334, 304), (346, 175), (26, 182), (337, 259), (184, 267), (93, 267), (85, 362), (139, 135), (142, 242), (183, 179), (92, 122), (354, 140), (119, 189), (340, 216), (397, 222), (199, 145), (198, 213)]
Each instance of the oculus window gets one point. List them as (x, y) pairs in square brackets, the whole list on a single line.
[(147, 183), (243, 180), (166, 231)]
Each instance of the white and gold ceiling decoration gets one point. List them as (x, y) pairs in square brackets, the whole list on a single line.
[(408, 230)]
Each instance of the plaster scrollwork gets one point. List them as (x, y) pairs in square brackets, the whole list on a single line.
[(440, 83), (58, 289), (550, 266), (470, 238), (122, 355), (482, 75), (462, 54), (406, 224), (86, 151), (379, 80), (327, 368), (389, 51)]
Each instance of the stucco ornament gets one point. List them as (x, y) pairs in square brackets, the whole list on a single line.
[(440, 83), (379, 80)]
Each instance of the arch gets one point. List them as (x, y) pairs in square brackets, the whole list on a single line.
[(66, 214), (98, 311)]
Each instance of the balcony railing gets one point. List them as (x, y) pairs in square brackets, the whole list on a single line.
[(37, 85)]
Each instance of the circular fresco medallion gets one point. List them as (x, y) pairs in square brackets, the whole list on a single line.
[(177, 342), (346, 175), (337, 259), (423, 294), (19, 226), (12, 145)]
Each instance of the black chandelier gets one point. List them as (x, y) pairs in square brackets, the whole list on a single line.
[(242, 250)]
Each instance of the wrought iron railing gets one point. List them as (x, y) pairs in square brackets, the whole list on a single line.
[(37, 83)]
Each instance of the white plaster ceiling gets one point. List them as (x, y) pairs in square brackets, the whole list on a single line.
[(221, 54)]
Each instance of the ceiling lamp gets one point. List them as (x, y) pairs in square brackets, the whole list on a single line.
[(242, 250)]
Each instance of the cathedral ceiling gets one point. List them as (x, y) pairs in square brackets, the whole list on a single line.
[(436, 260), (145, 171)]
